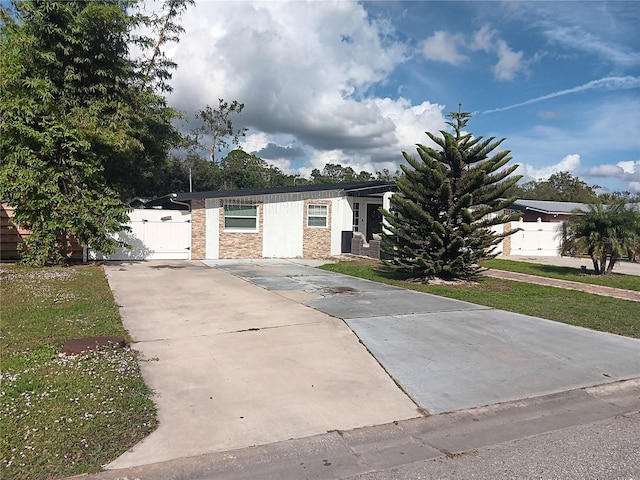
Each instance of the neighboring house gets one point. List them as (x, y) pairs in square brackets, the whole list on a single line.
[(546, 211), (540, 227)]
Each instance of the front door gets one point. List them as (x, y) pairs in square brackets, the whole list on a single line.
[(374, 220)]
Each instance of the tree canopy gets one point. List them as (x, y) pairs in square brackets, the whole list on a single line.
[(560, 187), (217, 127), (82, 123), (440, 222)]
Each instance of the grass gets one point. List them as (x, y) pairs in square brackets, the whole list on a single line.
[(64, 415), (568, 306), (615, 280)]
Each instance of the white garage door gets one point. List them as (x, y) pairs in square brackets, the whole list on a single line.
[(154, 235)]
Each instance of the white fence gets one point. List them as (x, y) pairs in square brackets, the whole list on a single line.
[(154, 235), (540, 239)]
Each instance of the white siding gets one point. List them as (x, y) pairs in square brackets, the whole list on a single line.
[(341, 219), (212, 216), (282, 229)]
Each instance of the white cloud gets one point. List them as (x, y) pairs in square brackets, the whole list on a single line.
[(570, 163), (255, 141), (510, 63), (443, 47), (605, 171), (483, 39), (447, 47), (303, 71), (576, 38), (628, 172), (630, 167), (634, 187)]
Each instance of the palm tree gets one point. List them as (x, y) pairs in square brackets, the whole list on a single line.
[(605, 233)]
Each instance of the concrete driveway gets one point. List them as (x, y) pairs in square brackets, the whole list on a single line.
[(450, 355), (234, 365), (253, 352)]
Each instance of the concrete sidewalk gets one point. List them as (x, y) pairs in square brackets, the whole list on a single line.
[(234, 365), (566, 284), (627, 268), (442, 446)]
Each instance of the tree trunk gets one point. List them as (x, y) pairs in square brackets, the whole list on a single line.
[(603, 263), (596, 266), (612, 262)]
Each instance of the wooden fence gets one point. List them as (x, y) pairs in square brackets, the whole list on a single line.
[(11, 236)]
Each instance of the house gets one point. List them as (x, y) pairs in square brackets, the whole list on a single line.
[(304, 221), (12, 236), (546, 211), (309, 221)]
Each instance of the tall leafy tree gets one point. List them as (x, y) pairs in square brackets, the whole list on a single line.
[(79, 127), (560, 187), (440, 221), (217, 127), (240, 169), (605, 232), (336, 173)]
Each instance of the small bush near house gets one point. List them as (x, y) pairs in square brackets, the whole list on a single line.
[(64, 415)]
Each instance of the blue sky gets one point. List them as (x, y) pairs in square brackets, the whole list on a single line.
[(357, 83)]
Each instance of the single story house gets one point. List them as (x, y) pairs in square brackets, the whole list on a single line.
[(305, 221), (308, 221), (545, 210)]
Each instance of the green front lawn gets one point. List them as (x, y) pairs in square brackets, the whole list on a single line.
[(569, 306), (64, 415), (615, 280)]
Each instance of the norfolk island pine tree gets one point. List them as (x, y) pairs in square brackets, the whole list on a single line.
[(441, 222)]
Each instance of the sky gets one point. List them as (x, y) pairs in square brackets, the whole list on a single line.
[(358, 83)]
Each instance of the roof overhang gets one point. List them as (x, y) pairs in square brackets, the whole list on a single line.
[(359, 189)]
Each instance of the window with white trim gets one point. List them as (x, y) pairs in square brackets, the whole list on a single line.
[(356, 216), (241, 218), (317, 215)]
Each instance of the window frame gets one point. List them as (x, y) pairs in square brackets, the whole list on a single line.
[(255, 229), (325, 216), (356, 217)]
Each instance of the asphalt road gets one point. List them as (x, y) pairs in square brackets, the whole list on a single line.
[(604, 450)]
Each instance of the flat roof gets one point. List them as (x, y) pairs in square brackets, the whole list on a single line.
[(549, 207), (354, 188)]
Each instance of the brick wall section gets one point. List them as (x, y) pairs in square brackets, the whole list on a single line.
[(316, 241), (198, 230), (241, 245), (506, 241)]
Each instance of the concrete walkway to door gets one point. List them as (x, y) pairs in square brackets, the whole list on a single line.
[(234, 365)]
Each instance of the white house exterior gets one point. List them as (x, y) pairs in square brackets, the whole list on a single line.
[(310, 221)]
